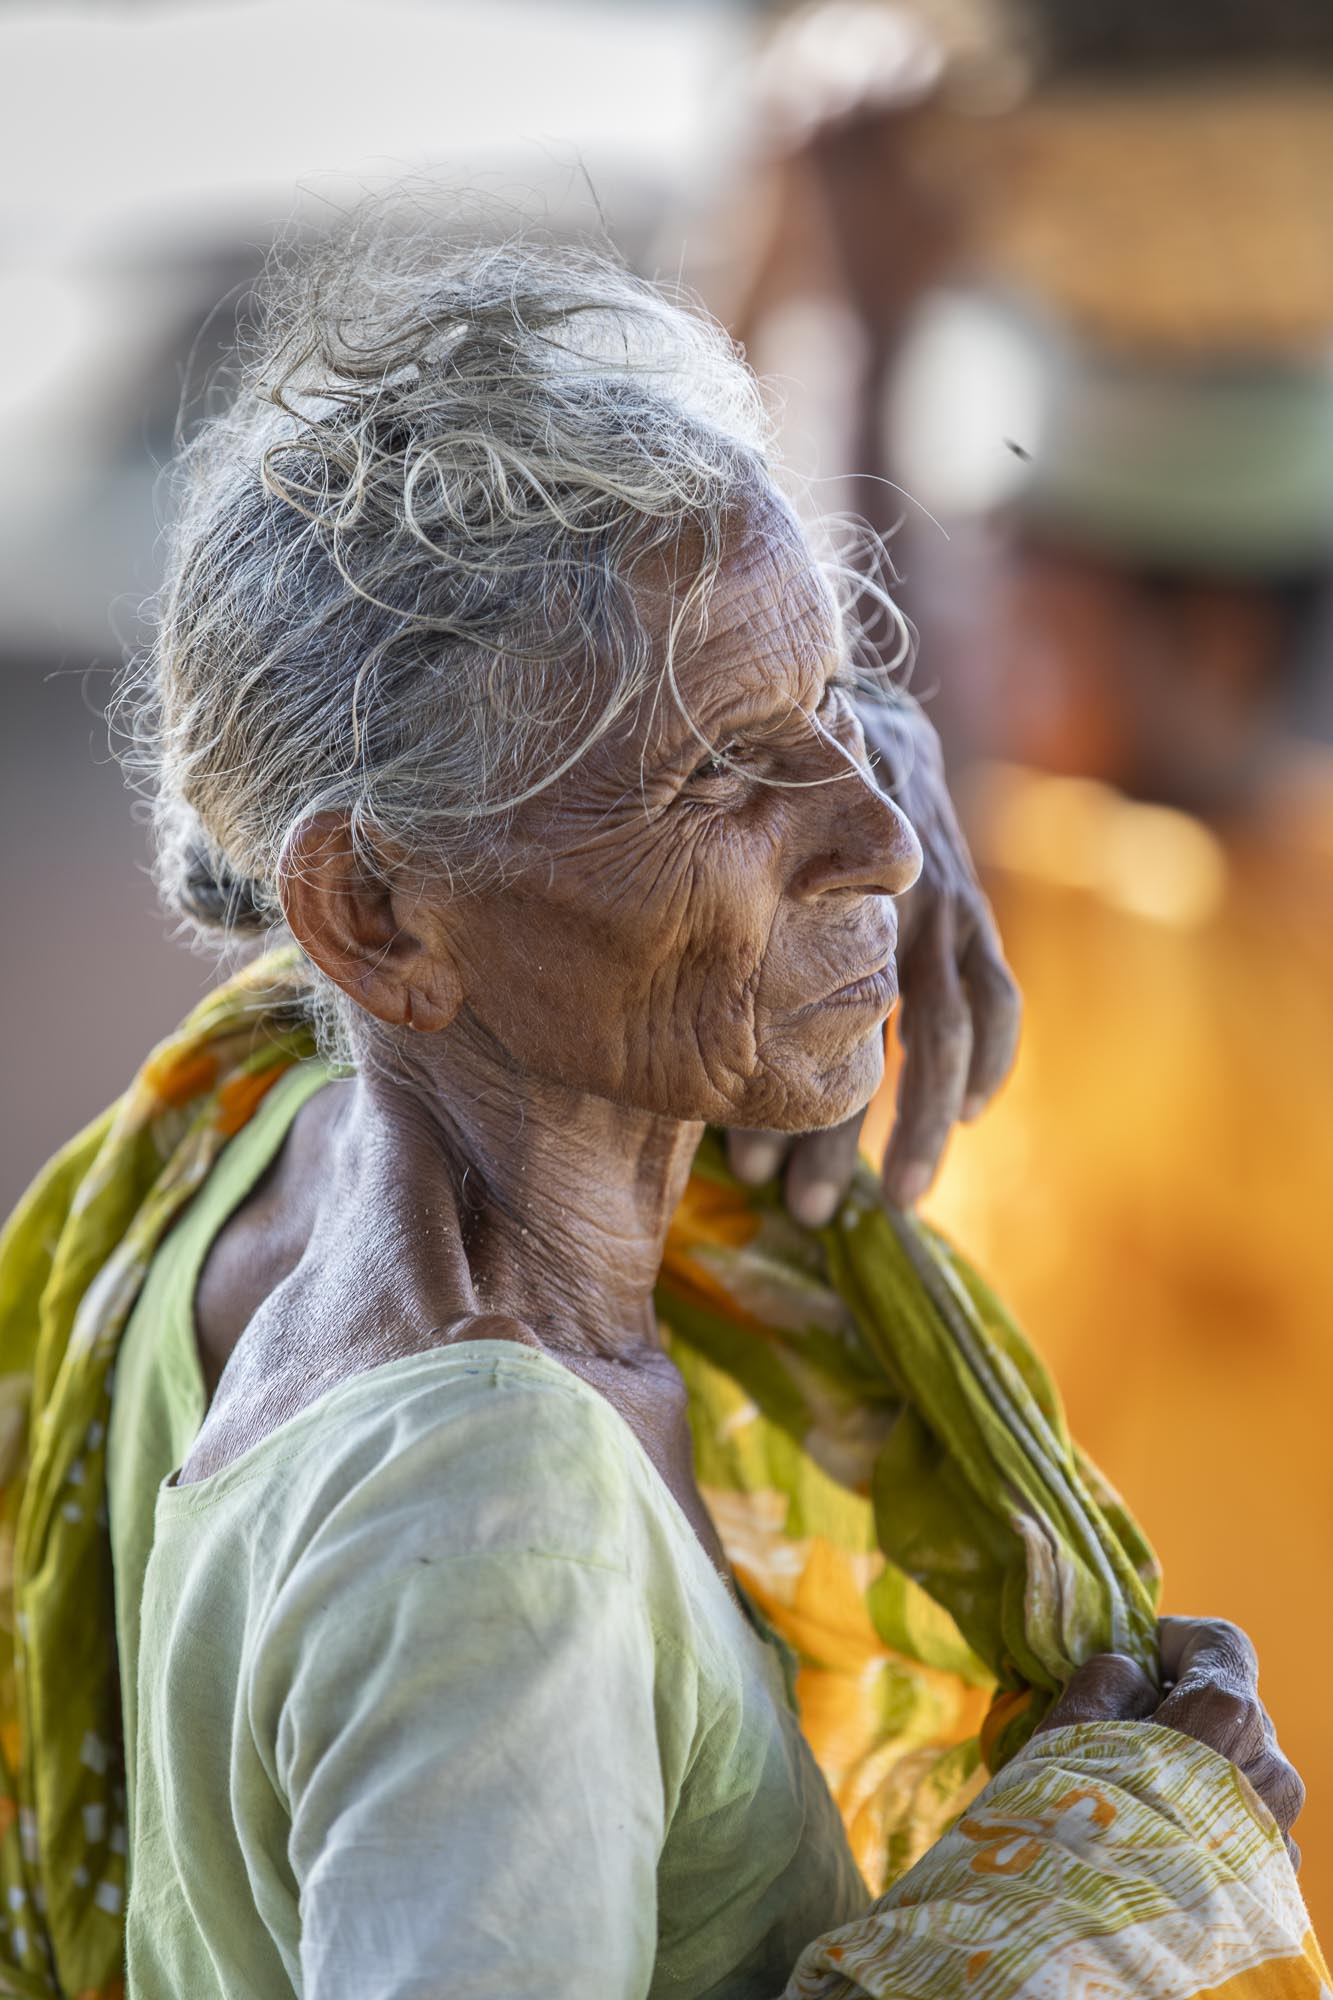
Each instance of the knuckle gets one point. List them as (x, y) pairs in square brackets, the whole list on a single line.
[(1108, 1687), (1209, 1649), (1220, 1717), (1234, 1642), (1110, 1670)]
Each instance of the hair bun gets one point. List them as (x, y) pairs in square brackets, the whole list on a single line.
[(216, 898), (200, 883)]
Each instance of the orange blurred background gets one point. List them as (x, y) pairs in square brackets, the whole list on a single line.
[(1046, 293)]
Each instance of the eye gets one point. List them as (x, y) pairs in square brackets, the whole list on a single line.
[(712, 768)]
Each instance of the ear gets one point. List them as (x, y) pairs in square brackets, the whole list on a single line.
[(384, 949)]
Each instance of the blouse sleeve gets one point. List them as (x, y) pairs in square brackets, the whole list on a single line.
[(468, 1749)]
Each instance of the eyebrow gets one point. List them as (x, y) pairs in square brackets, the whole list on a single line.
[(737, 720), (740, 718)]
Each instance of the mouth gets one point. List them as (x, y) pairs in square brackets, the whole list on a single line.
[(872, 992), (878, 989)]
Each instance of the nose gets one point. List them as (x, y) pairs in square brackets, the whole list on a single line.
[(861, 840)]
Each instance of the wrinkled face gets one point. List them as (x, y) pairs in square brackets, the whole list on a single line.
[(681, 942)]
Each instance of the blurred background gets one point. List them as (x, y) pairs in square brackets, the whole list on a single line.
[(1046, 292)]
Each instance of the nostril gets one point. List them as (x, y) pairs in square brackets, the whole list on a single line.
[(872, 847)]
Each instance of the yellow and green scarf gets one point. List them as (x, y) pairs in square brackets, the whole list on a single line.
[(891, 1475)]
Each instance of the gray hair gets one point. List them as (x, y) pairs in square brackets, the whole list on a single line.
[(401, 550)]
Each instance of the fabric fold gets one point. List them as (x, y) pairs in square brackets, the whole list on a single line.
[(1115, 1859)]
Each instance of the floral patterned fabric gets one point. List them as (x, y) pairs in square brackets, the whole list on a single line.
[(1121, 1861), (886, 1461)]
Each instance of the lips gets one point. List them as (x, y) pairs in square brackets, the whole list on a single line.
[(875, 988), (879, 987)]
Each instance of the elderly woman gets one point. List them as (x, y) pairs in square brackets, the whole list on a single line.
[(495, 669)]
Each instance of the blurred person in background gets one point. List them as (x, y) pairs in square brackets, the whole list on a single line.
[(1104, 364)]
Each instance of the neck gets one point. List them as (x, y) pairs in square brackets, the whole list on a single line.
[(558, 1200)]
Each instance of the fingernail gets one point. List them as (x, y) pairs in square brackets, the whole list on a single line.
[(756, 1160), (912, 1183), (816, 1203)]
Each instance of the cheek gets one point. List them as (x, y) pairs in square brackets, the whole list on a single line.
[(715, 960), (658, 964), (697, 896), (724, 892), (663, 939)]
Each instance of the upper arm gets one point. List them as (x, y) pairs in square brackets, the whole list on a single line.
[(467, 1743)]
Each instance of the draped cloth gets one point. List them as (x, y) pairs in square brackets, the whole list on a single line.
[(891, 1475)]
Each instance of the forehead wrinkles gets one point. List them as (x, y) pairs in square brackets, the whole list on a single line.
[(771, 632)]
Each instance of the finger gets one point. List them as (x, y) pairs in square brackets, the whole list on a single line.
[(997, 1012), (1228, 1718), (1213, 1678), (1279, 1785), (754, 1157), (935, 1066), (1213, 1648), (1110, 1688), (820, 1169)]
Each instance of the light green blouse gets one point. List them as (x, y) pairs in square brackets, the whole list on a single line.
[(435, 1693)]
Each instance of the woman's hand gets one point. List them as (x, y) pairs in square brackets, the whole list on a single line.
[(960, 1006), (1211, 1675)]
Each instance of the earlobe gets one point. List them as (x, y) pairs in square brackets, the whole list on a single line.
[(343, 916), (432, 994)]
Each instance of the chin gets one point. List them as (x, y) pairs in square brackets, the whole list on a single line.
[(846, 1107), (839, 1092)]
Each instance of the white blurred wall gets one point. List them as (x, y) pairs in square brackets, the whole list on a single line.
[(147, 155)]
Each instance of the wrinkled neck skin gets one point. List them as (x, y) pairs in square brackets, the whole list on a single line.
[(502, 1192)]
